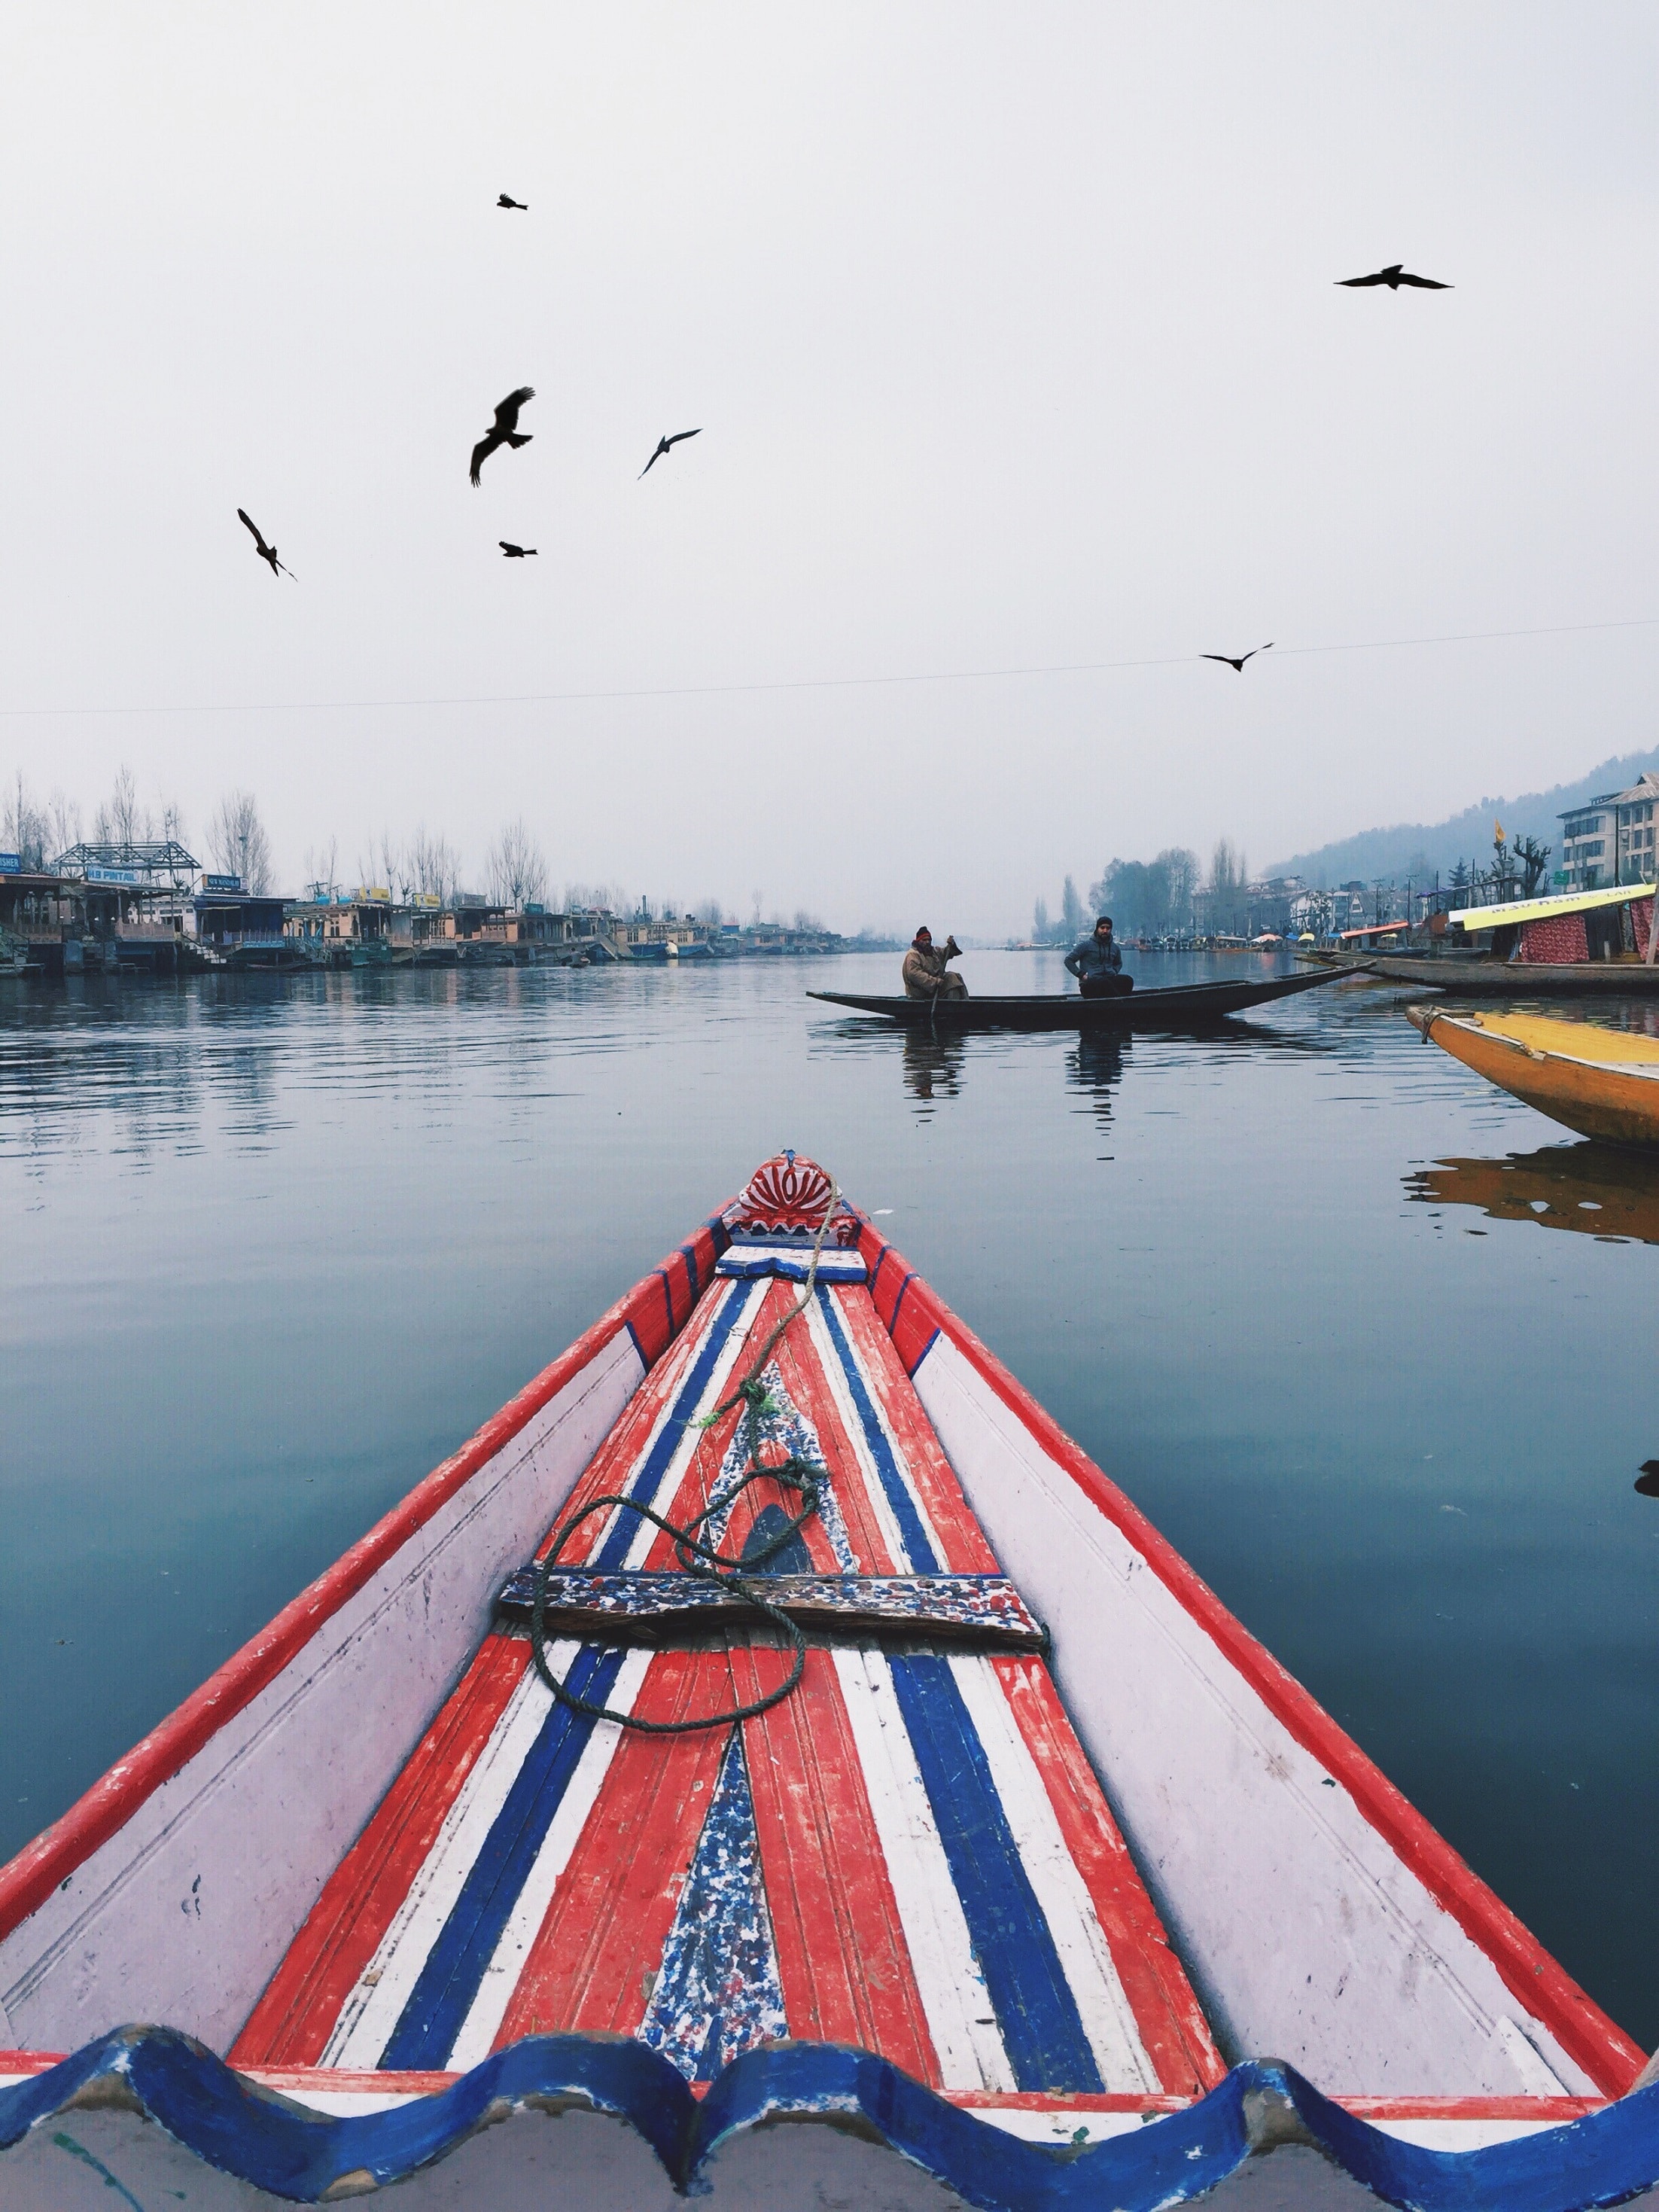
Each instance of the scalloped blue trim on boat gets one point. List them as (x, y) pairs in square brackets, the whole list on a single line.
[(791, 1262), (242, 2130)]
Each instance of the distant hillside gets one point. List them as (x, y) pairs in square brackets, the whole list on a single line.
[(1422, 846)]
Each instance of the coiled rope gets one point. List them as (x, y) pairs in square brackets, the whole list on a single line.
[(806, 1477)]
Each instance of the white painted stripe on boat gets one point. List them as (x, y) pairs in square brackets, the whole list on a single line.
[(961, 2018), (1536, 2079), (375, 2005), (483, 2022), (1062, 1895), (901, 1457), (829, 1361), (646, 1532)]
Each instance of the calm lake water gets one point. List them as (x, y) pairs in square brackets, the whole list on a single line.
[(273, 1248)]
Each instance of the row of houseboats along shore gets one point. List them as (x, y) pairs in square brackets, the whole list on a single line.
[(149, 910)]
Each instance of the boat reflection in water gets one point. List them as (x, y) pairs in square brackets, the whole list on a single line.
[(1094, 1065), (932, 1065), (1596, 1189)]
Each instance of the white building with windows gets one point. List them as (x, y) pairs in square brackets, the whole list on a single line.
[(1610, 839)]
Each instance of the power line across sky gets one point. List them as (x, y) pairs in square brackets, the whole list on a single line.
[(814, 683)]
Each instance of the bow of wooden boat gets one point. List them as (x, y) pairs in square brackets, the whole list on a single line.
[(1603, 1082), (1039, 1834)]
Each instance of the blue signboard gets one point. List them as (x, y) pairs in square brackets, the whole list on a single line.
[(221, 884), (11, 864), (95, 875)]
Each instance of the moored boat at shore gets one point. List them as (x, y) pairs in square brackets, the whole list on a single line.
[(1018, 1839)]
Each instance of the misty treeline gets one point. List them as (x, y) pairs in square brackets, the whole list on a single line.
[(40, 831), (235, 842), (1160, 897)]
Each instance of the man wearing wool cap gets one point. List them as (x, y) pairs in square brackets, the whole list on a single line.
[(925, 972)]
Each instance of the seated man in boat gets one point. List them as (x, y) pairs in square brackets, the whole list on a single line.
[(925, 974), (1098, 965)]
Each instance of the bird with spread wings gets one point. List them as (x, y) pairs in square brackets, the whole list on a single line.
[(506, 200), (1393, 276), (266, 552), (504, 431), (1239, 663), (663, 446)]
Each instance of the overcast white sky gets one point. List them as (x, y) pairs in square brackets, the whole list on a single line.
[(1013, 336)]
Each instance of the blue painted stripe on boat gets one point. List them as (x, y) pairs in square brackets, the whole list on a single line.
[(884, 1256), (1042, 2029), (613, 1551), (271, 2145), (923, 1559), (689, 1254), (639, 1349), (923, 1353), (442, 1997)]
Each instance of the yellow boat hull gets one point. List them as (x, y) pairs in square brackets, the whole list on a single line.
[(1599, 1082)]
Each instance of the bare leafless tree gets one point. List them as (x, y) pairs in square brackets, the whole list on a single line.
[(25, 829), (237, 842), (432, 866), (601, 898), (322, 863), (516, 869), (709, 914), (64, 815), (120, 820)]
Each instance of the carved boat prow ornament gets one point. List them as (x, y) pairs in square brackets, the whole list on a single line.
[(1044, 1886)]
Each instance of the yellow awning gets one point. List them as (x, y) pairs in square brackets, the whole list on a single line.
[(1544, 909)]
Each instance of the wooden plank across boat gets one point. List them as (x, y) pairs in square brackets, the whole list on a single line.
[(1180, 1006), (977, 1915), (1601, 1082), (980, 1612)]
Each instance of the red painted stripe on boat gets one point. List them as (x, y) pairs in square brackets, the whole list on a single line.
[(1173, 2029), (614, 1464), (30, 1878), (1542, 1987), (842, 1958), (614, 1905), (291, 2024), (964, 1544)]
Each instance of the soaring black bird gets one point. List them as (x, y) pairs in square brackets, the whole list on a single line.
[(505, 430), (266, 552), (515, 552), (1393, 276), (506, 200), (663, 445), (1243, 658)]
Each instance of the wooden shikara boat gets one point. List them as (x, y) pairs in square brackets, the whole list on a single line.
[(1180, 1006), (977, 1912), (1599, 1082), (1463, 977)]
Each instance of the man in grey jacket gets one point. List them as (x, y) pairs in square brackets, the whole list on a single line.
[(1098, 965)]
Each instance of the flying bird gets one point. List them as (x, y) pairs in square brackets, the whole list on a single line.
[(1243, 658), (1393, 276), (516, 552), (663, 445), (266, 552), (506, 200), (505, 431)]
